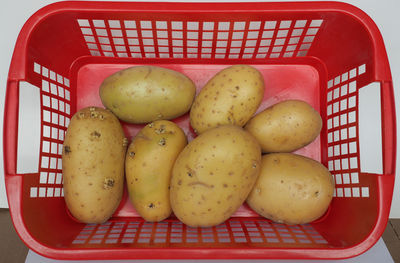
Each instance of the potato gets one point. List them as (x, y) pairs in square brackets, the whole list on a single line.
[(213, 175), (148, 168), (232, 96), (143, 94), (286, 126), (291, 189), (93, 164)]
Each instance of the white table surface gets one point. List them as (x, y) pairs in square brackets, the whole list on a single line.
[(377, 254)]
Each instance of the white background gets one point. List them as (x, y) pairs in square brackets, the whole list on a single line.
[(14, 13)]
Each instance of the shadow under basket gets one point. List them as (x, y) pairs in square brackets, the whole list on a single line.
[(325, 53)]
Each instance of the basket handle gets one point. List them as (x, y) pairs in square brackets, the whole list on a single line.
[(388, 127), (10, 129)]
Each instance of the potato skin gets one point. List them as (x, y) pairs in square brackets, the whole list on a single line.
[(291, 189), (143, 94), (148, 166), (286, 126), (93, 165), (213, 175), (232, 96)]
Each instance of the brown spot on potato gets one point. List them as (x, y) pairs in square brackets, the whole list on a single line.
[(67, 149), (132, 154), (180, 182), (151, 205), (225, 185), (237, 87), (161, 129), (93, 114), (108, 183)]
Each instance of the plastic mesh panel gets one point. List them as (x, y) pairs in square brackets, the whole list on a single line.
[(199, 39), (343, 148), (55, 114), (252, 232)]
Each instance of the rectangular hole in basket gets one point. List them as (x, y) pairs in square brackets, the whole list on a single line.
[(43, 178), (354, 178)]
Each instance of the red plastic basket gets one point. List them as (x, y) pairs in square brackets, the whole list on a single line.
[(321, 52)]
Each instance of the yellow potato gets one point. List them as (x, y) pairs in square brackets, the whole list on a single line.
[(291, 189), (148, 168), (285, 126), (146, 93), (213, 175), (232, 96), (93, 164)]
